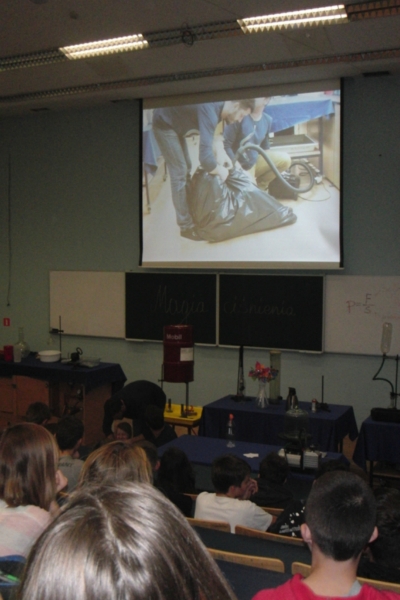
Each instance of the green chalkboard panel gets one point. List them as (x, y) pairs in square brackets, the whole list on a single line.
[(157, 299), (271, 311)]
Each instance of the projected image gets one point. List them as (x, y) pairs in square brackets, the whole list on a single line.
[(252, 183)]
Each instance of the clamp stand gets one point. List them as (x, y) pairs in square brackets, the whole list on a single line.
[(186, 409)]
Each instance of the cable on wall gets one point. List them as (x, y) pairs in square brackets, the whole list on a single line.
[(9, 231)]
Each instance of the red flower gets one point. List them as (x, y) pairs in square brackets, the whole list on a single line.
[(263, 373)]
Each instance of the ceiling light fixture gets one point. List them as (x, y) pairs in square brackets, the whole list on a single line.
[(121, 44), (295, 19)]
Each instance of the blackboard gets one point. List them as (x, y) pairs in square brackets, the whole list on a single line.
[(271, 311), (356, 308), (157, 299)]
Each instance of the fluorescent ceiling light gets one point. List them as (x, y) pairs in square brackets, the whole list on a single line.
[(298, 18), (122, 44)]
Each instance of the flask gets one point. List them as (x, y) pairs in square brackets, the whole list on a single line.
[(386, 341), (230, 432), (291, 400), (22, 345)]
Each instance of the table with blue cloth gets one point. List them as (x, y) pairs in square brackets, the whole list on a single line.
[(291, 110), (378, 441), (75, 374), (76, 389), (201, 452), (264, 425)]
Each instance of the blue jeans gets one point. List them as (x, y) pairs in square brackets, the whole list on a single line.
[(177, 159)]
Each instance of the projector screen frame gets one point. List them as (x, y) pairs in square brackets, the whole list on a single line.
[(213, 260)]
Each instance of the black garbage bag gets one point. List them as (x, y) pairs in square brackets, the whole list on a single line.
[(222, 211)]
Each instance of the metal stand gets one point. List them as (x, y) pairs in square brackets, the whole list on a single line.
[(186, 409), (58, 331), (393, 394)]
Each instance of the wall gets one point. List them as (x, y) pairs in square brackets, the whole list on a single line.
[(73, 198)]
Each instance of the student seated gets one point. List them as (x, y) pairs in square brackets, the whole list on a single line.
[(289, 522), (29, 481), (155, 430), (272, 491), (69, 434), (116, 462), (131, 403), (233, 485), (151, 453), (382, 558), (175, 478), (121, 542), (39, 413), (123, 431), (339, 522)]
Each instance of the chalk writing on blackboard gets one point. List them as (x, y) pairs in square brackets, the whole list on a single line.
[(242, 306), (168, 305), (154, 300), (277, 311)]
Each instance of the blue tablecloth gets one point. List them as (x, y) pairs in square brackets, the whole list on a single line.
[(293, 110), (91, 378), (202, 451), (378, 441), (264, 425)]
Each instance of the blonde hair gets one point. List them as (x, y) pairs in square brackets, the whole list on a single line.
[(116, 461), (28, 464)]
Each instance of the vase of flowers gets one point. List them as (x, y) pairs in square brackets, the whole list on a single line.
[(263, 375)]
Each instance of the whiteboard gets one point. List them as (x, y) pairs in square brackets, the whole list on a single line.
[(89, 302), (355, 309)]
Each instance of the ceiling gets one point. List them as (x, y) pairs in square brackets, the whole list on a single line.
[(180, 61)]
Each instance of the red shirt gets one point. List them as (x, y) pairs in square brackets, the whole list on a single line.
[(294, 589)]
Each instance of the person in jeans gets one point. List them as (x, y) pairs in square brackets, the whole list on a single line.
[(170, 125)]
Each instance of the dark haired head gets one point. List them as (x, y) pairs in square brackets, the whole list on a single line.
[(385, 549), (154, 417), (126, 541), (69, 431), (38, 412), (176, 471), (274, 468), (151, 452), (126, 428), (228, 470), (340, 514)]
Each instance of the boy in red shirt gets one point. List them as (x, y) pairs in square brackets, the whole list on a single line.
[(339, 522)]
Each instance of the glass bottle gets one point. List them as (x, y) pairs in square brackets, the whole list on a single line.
[(230, 432), (21, 344)]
